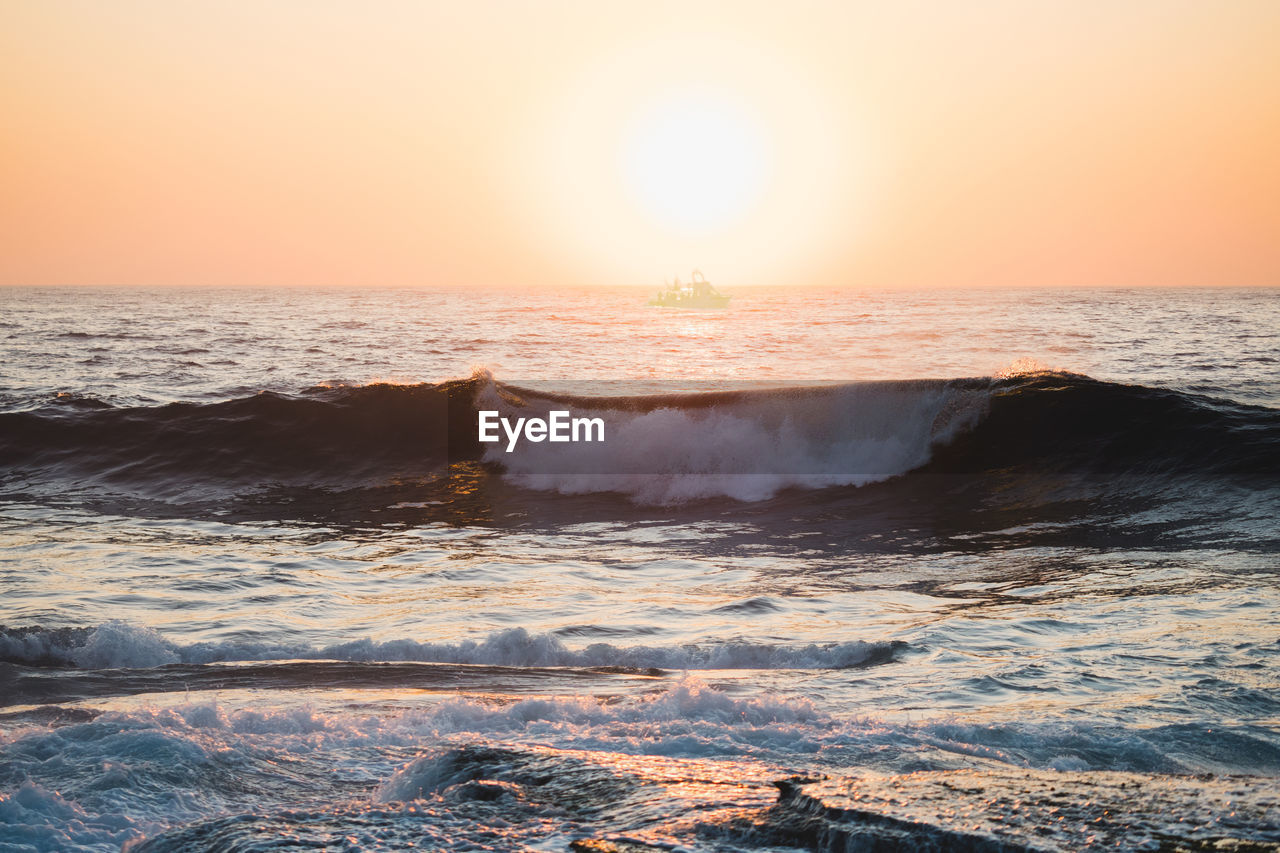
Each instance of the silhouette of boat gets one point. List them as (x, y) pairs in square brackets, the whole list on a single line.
[(698, 293)]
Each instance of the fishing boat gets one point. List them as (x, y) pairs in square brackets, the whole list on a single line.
[(698, 293)]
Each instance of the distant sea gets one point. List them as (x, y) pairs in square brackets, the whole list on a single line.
[(947, 570)]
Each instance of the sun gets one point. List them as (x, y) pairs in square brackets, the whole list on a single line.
[(690, 150), (694, 163)]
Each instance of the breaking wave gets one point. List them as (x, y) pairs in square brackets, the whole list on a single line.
[(116, 645), (659, 448)]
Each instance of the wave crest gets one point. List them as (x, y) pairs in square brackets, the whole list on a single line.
[(116, 645)]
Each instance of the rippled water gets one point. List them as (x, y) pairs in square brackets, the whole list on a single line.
[(145, 346), (262, 587)]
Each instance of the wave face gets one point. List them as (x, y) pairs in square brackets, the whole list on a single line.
[(748, 445), (327, 435), (659, 448), (1065, 422)]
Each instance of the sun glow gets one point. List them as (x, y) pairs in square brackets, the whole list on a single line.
[(695, 163), (689, 152)]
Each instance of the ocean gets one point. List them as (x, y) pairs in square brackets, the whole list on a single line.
[(849, 570)]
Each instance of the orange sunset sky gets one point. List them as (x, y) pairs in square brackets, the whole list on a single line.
[(303, 142)]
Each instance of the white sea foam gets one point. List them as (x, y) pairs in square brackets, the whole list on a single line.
[(127, 773), (34, 819), (747, 448), (110, 645), (116, 644), (119, 644), (130, 773)]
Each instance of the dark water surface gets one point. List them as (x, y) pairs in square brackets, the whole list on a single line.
[(968, 568)]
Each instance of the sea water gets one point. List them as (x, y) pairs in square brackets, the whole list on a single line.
[(943, 570)]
